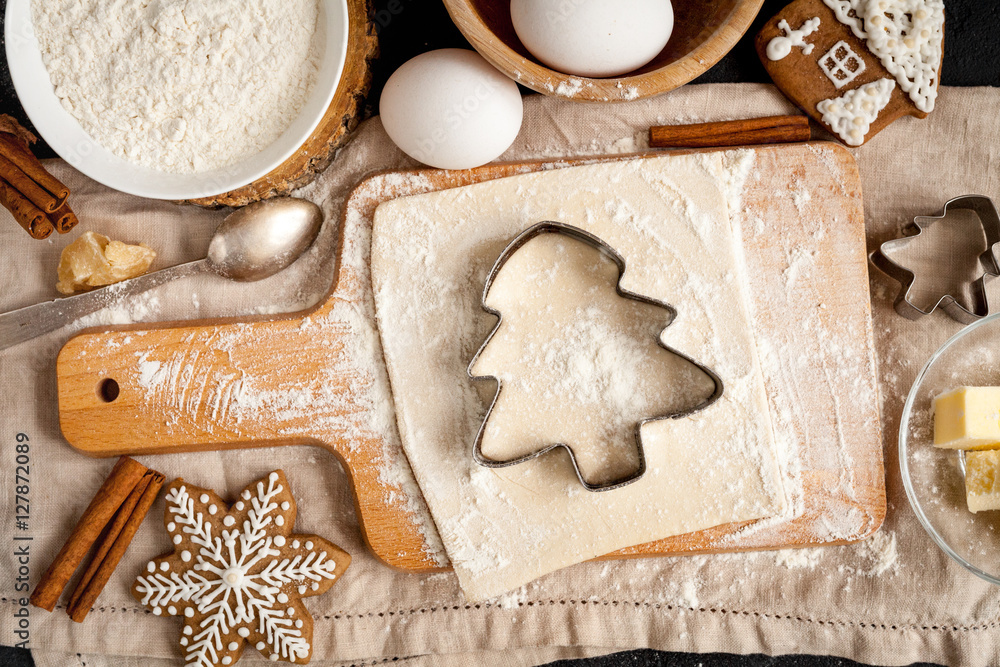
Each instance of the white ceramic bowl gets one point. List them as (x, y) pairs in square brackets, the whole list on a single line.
[(63, 133)]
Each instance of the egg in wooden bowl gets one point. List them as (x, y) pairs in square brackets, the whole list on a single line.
[(702, 33)]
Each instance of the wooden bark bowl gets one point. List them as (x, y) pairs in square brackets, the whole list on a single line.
[(703, 33), (340, 119)]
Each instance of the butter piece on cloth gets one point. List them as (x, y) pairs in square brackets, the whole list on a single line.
[(967, 418)]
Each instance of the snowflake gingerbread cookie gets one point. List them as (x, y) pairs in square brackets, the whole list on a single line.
[(864, 63), (237, 573)]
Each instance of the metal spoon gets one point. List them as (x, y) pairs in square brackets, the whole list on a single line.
[(252, 243)]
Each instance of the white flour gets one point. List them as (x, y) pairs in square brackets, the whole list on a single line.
[(181, 86)]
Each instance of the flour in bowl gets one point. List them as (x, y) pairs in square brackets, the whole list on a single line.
[(181, 86)]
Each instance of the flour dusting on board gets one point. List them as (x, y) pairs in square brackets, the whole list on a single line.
[(205, 382), (821, 352), (245, 406)]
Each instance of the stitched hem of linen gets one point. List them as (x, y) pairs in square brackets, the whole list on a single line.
[(382, 661), (986, 625), (366, 663)]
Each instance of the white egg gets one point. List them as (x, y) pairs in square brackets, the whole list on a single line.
[(594, 38), (451, 109)]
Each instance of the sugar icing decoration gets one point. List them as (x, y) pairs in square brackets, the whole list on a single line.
[(852, 114), (781, 46), (905, 35), (239, 585), (841, 64)]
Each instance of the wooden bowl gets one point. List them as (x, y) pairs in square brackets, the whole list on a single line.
[(703, 33)]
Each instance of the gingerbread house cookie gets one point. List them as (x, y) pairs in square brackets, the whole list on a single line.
[(856, 65)]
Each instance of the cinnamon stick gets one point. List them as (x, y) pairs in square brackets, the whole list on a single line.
[(63, 219), (116, 488), (23, 183), (17, 151), (89, 590), (110, 535), (27, 187), (29, 216), (10, 125), (752, 131)]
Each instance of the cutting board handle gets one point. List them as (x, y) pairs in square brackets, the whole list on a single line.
[(204, 385), (209, 385)]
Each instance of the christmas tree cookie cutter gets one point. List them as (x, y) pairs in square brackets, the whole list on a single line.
[(987, 214), (550, 227)]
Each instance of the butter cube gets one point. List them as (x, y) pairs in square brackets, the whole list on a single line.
[(982, 480), (94, 260), (968, 418)]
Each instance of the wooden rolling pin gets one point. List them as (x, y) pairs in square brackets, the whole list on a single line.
[(752, 131)]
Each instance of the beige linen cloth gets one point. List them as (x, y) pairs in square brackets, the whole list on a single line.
[(894, 599)]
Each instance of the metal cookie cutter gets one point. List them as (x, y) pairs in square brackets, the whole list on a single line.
[(550, 227), (987, 213)]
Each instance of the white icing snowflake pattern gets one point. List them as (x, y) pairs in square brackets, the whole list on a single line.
[(849, 12), (242, 585)]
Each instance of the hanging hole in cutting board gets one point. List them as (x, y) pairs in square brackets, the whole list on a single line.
[(108, 390), (944, 259)]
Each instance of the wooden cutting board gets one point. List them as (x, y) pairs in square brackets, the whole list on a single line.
[(805, 197)]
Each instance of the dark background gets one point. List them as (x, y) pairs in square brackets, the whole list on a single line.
[(971, 58)]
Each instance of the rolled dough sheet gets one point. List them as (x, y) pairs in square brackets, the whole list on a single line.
[(578, 364), (668, 217)]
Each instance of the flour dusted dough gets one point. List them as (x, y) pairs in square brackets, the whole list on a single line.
[(668, 217), (578, 364)]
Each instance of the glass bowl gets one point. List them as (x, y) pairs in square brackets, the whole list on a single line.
[(935, 478)]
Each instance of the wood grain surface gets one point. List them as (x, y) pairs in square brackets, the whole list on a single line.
[(340, 119), (703, 33), (185, 416)]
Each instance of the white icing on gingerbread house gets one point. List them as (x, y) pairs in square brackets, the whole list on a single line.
[(841, 64), (905, 35), (781, 46), (852, 114)]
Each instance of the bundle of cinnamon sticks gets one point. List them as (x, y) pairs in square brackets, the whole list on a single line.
[(111, 521), (35, 198)]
